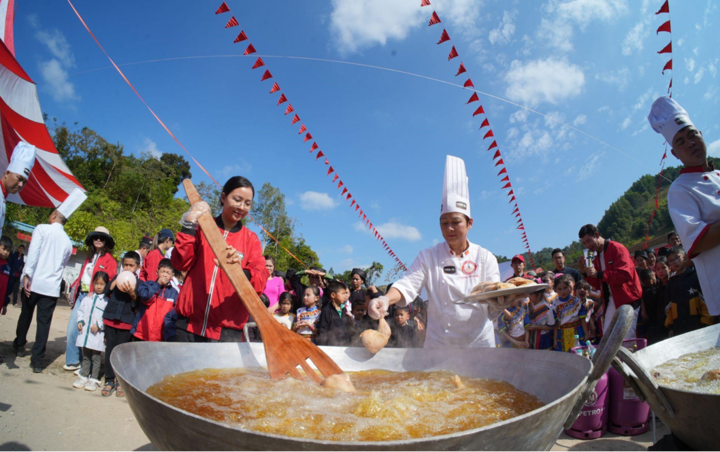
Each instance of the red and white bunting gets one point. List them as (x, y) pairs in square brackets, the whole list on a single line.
[(223, 8), (232, 22), (250, 49), (258, 63), (444, 37), (241, 37), (275, 88)]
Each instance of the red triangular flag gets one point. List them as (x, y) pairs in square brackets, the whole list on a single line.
[(489, 134), (275, 88), (364, 217), (258, 63), (453, 53), (357, 206), (348, 197), (296, 118), (468, 84), (479, 111), (444, 37), (223, 9), (517, 214), (232, 22), (250, 49), (330, 170), (497, 154), (664, 27), (290, 109), (502, 171), (461, 69), (340, 184), (353, 202), (335, 178), (508, 185), (667, 48), (493, 145), (505, 179), (516, 210), (313, 147), (319, 154), (670, 86), (499, 162), (302, 129), (511, 200), (473, 98), (327, 162), (434, 19), (241, 37), (425, 3), (282, 99), (485, 123), (665, 8), (308, 137), (668, 65), (266, 76), (511, 193)]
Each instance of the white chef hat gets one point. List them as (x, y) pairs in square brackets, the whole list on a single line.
[(667, 117), (22, 160), (72, 202), (456, 194)]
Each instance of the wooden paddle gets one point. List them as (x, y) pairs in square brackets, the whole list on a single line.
[(284, 349)]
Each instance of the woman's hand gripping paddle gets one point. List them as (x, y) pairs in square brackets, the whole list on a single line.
[(284, 349)]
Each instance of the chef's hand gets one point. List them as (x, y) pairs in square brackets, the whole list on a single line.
[(499, 304), (190, 218), (419, 324), (232, 256), (378, 307), (26, 285)]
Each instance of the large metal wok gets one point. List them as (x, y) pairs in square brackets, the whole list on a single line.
[(561, 380), (692, 417)]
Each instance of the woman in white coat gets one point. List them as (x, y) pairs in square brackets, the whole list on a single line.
[(92, 337)]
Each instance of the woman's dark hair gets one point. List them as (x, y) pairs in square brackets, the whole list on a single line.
[(237, 182), (101, 275), (269, 258)]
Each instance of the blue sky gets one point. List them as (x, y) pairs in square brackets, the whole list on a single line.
[(589, 63)]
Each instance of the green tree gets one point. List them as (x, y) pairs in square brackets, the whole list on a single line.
[(269, 211)]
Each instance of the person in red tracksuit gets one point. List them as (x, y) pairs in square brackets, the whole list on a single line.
[(613, 273), (157, 299), (208, 308), (162, 242)]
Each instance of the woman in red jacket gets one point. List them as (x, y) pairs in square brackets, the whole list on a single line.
[(162, 242), (208, 307), (99, 259)]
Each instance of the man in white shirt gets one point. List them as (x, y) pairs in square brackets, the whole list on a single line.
[(449, 271), (16, 175), (50, 251), (694, 197)]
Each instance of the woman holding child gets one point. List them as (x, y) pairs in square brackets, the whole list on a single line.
[(208, 307)]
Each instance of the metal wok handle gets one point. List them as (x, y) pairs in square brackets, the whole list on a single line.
[(604, 355), (653, 395)]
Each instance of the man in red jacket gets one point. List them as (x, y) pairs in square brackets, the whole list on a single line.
[(613, 273)]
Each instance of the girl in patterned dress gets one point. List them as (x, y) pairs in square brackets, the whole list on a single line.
[(569, 315)]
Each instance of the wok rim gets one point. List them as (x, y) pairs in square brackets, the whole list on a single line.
[(389, 443)]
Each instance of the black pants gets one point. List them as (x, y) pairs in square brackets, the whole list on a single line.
[(113, 338), (45, 309), (226, 335), (16, 290)]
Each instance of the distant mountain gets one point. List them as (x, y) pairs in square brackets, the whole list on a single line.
[(625, 221)]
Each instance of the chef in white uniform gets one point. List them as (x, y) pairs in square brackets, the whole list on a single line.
[(50, 251), (16, 175), (694, 197), (448, 271)]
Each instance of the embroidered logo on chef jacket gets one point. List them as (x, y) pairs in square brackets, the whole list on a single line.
[(450, 270), (468, 267)]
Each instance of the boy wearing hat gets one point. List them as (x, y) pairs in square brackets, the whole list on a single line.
[(694, 197), (16, 175), (165, 241)]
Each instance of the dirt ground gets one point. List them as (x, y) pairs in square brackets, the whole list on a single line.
[(44, 412)]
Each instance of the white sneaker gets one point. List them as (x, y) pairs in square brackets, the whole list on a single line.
[(70, 367), (77, 372), (92, 384), (80, 383)]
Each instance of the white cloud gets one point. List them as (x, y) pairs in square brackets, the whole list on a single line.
[(56, 81), (503, 33), (393, 230), (680, 42), (347, 249), (699, 75), (564, 15), (236, 169), (580, 120), (620, 78), (519, 116), (56, 43), (150, 147), (626, 123), (690, 64), (695, 51), (312, 200), (604, 108), (714, 148), (357, 25), (633, 41), (485, 194), (538, 81), (590, 166)]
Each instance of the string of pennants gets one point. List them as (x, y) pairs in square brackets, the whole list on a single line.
[(307, 136), (489, 134), (666, 28)]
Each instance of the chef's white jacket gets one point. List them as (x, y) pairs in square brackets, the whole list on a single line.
[(694, 204), (448, 277), (50, 251)]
